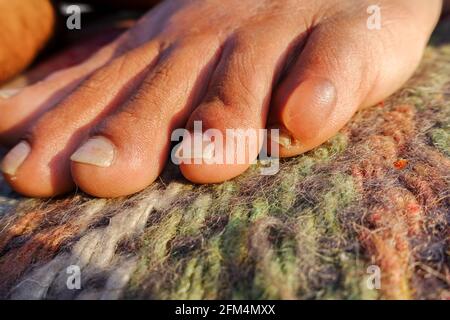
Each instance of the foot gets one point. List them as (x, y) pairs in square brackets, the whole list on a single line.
[(301, 66)]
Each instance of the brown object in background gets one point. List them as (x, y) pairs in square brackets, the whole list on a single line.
[(25, 27)]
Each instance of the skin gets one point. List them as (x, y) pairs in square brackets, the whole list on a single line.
[(302, 66)]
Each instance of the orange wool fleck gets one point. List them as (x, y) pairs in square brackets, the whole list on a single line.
[(400, 164)]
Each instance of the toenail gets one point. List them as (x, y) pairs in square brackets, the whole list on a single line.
[(188, 151), (14, 159), (284, 138), (8, 93), (97, 151), (316, 92)]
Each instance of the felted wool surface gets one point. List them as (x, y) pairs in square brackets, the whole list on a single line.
[(377, 194)]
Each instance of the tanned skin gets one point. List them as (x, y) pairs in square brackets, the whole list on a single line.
[(301, 66)]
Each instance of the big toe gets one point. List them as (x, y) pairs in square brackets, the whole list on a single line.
[(337, 73)]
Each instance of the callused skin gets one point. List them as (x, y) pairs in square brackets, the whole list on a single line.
[(302, 66)]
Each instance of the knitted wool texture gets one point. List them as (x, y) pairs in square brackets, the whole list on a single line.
[(377, 194)]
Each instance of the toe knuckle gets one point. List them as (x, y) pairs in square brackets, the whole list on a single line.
[(198, 40)]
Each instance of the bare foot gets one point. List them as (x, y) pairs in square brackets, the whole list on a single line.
[(302, 66)]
